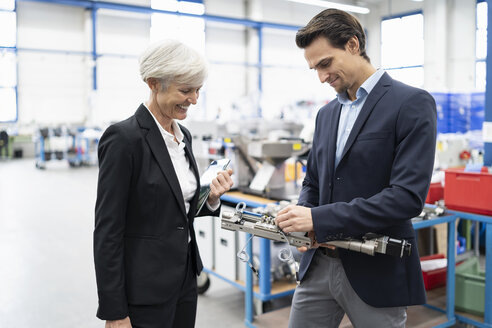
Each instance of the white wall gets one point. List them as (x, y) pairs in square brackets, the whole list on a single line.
[(286, 77), (449, 36), (57, 88), (119, 87), (52, 87)]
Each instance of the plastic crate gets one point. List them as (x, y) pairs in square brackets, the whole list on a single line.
[(468, 191), (470, 287), (434, 278), (436, 192)]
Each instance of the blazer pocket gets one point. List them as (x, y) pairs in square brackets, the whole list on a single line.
[(374, 135), (138, 236)]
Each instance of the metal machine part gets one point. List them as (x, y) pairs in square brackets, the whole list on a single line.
[(430, 211), (264, 226)]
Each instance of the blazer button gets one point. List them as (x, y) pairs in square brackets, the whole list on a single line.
[(180, 228)]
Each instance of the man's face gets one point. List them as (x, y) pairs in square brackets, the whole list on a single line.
[(334, 66)]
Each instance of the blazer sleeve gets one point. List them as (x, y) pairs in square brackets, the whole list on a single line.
[(115, 171), (410, 177), (205, 211)]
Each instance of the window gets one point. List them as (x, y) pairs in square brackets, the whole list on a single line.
[(481, 46), (402, 48), (8, 62), (7, 5), (189, 30)]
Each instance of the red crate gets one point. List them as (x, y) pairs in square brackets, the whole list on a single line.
[(434, 278), (468, 191), (436, 192)]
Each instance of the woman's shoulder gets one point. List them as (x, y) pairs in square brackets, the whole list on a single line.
[(126, 129)]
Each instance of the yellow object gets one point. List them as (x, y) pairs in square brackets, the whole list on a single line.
[(289, 171), (296, 146)]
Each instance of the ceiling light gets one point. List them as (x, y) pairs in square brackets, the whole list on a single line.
[(328, 4)]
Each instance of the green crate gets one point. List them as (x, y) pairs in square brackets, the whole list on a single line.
[(470, 287)]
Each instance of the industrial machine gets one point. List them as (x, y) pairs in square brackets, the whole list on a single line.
[(269, 179)]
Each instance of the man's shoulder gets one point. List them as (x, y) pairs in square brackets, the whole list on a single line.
[(406, 88), (327, 109)]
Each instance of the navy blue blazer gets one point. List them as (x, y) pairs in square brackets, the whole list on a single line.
[(380, 183)]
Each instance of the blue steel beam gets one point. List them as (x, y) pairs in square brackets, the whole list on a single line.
[(148, 10)]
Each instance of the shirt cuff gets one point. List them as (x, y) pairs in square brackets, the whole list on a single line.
[(213, 207)]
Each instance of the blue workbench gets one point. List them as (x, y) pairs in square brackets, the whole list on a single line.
[(264, 292)]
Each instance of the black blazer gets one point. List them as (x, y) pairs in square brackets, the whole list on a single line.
[(380, 183), (141, 227)]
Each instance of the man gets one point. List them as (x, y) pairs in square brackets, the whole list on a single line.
[(369, 170)]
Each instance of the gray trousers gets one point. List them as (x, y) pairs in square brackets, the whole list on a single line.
[(325, 295)]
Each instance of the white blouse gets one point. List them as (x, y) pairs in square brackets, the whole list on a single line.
[(186, 177)]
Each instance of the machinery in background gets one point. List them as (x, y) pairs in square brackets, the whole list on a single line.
[(77, 145), (456, 149), (269, 180), (4, 144), (258, 154)]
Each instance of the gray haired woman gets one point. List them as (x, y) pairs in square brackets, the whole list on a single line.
[(145, 252)]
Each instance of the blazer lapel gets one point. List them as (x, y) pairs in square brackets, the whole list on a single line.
[(332, 138), (159, 149), (194, 168), (372, 99)]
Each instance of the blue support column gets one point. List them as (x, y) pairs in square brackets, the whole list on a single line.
[(488, 274), (260, 69), (451, 271), (248, 304), (265, 284), (487, 126), (94, 48)]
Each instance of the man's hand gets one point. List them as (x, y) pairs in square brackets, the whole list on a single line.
[(314, 243), (295, 218), (123, 323), (220, 185)]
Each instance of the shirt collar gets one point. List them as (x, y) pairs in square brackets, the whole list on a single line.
[(364, 89), (177, 131)]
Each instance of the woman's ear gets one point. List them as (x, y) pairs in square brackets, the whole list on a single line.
[(153, 84)]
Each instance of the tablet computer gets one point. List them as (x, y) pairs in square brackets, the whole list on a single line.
[(207, 177)]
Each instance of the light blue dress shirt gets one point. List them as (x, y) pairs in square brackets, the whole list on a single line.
[(350, 111)]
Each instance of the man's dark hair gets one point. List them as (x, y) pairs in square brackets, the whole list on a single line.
[(336, 26)]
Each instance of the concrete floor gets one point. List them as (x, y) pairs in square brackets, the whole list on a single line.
[(46, 266)]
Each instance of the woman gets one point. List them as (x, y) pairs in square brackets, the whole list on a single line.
[(145, 252)]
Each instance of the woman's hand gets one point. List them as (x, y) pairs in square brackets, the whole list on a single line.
[(220, 185), (122, 323)]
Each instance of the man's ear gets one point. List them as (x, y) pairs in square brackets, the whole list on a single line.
[(353, 45)]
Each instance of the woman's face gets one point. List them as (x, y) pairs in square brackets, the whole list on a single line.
[(173, 103)]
